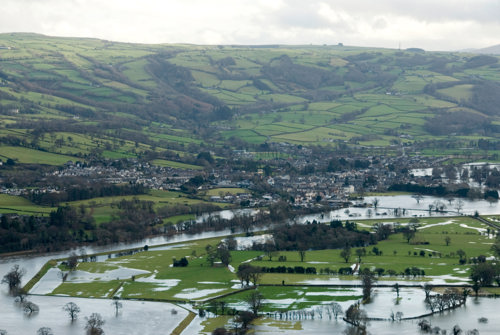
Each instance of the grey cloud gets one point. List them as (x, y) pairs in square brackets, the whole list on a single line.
[(434, 24)]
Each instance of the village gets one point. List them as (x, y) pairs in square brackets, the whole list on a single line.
[(304, 182)]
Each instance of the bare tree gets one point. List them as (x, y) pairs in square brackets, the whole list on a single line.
[(427, 289), (255, 275), (270, 249), (459, 204), (117, 305), (94, 324), (247, 273), (44, 331), (334, 309), (30, 308), (439, 206), (63, 275), (255, 300), (302, 254), (417, 197), (72, 309), (21, 295), (13, 278)]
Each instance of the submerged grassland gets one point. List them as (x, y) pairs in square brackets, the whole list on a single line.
[(436, 248)]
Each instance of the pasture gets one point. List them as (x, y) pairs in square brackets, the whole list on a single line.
[(150, 275), (31, 156), (296, 94), (22, 206)]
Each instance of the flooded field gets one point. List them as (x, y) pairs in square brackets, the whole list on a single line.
[(135, 317), (411, 304), (406, 206), (144, 318)]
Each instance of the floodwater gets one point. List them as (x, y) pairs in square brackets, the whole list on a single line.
[(135, 317), (145, 318), (411, 303), (407, 206)]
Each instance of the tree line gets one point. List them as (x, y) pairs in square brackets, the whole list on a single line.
[(75, 193)]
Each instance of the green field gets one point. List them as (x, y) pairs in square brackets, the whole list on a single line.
[(161, 281), (286, 298), (112, 100), (104, 208), (176, 165), (30, 156), (21, 206), (158, 280)]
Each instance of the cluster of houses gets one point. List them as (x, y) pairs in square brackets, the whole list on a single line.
[(316, 189)]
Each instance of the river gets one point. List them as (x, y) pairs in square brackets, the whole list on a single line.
[(136, 317), (146, 318)]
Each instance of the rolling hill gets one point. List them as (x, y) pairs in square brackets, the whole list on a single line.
[(76, 99)]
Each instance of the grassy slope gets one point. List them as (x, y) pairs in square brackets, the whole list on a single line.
[(82, 72), (19, 205)]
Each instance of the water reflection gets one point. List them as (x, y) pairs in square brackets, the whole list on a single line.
[(412, 302), (405, 206), (136, 317)]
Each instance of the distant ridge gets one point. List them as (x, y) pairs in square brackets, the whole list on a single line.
[(493, 50)]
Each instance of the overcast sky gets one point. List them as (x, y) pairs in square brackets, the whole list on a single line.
[(428, 24)]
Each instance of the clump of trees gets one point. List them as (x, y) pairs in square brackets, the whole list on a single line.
[(183, 262), (221, 252), (248, 273), (426, 327), (483, 274), (74, 193), (284, 269), (449, 299), (318, 236), (356, 316), (368, 280)]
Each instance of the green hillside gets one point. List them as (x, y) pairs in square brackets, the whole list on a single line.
[(75, 99)]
